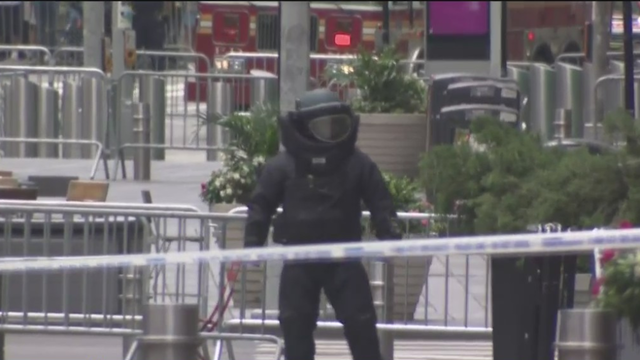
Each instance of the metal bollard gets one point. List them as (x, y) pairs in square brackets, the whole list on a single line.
[(220, 104), (586, 334), (170, 332), (152, 92), (142, 135), (562, 124)]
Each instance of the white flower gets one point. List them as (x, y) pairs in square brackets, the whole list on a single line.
[(258, 160), (236, 176)]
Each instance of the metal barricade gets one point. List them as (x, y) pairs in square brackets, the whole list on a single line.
[(35, 55), (184, 120), (82, 228), (104, 301), (69, 102), (443, 296), (247, 94), (147, 60), (596, 128)]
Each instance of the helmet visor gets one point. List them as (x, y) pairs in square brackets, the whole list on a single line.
[(332, 128)]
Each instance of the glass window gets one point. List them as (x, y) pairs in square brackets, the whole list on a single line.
[(268, 32)]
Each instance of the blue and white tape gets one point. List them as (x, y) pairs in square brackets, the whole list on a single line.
[(584, 241)]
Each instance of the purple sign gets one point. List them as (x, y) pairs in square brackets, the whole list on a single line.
[(458, 17)]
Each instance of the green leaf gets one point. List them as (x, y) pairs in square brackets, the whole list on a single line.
[(384, 86)]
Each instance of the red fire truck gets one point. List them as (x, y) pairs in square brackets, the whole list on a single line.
[(242, 36)]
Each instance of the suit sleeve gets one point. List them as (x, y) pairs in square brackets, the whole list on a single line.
[(262, 205), (379, 201)]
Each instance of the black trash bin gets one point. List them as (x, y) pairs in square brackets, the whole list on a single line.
[(526, 296)]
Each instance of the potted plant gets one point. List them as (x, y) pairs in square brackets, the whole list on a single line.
[(253, 138), (619, 287), (516, 181), (391, 104)]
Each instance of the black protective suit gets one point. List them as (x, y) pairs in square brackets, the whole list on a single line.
[(321, 181)]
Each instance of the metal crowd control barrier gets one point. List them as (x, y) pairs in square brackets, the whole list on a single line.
[(93, 305), (180, 116), (404, 317), (32, 98), (73, 56), (102, 301), (100, 153), (43, 54), (598, 84)]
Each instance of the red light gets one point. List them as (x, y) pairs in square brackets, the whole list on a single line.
[(342, 39), (531, 36)]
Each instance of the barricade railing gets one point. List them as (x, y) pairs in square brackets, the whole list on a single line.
[(54, 112), (429, 294), (185, 125), (146, 59), (268, 62), (21, 265), (101, 301), (100, 151), (65, 228), (180, 230), (37, 55)]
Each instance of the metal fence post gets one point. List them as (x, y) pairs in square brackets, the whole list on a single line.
[(134, 291), (383, 297), (142, 134), (170, 332)]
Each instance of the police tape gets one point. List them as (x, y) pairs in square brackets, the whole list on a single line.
[(550, 243)]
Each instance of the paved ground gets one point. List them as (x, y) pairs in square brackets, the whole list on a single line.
[(20, 347)]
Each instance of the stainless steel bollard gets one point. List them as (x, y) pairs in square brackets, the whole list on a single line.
[(170, 332), (220, 104), (93, 113), (152, 92), (264, 89), (563, 123), (20, 117), (142, 135), (586, 334), (48, 120), (72, 120)]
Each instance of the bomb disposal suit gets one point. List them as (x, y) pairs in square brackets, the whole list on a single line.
[(321, 181)]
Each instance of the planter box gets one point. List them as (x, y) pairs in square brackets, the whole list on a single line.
[(582, 295), (394, 141), (248, 295), (409, 278)]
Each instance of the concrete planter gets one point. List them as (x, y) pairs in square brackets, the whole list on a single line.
[(582, 295), (409, 278), (394, 141), (249, 294)]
